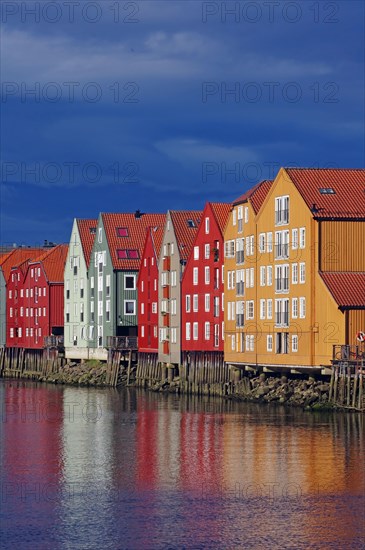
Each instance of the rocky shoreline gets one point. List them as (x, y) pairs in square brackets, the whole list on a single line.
[(310, 394)]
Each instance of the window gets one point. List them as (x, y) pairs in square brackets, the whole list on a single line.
[(207, 331), (142, 331), (252, 275), (250, 245), (294, 343), (262, 308), (154, 307), (302, 272), (246, 214), (164, 306), (195, 276), (21, 293), (82, 312), (191, 223), (207, 226), (269, 275), (196, 252), (206, 251), (195, 302), (240, 282), (302, 308), (122, 231), (173, 333), (281, 210), (67, 312), (240, 251), (108, 285), (281, 244), (250, 309), (240, 219), (240, 314), (207, 302), (100, 235), (294, 274), (216, 278), (207, 275), (173, 306), (129, 307), (269, 342), (262, 242), (234, 216), (173, 278), (216, 306), (21, 312), (11, 333), (129, 282), (187, 331), (92, 312), (302, 237), (282, 278), (294, 239), (282, 342), (229, 249), (44, 291), (142, 308), (107, 310), (233, 342), (11, 312), (269, 309), (131, 254), (92, 285), (75, 309), (171, 250), (294, 308), (195, 331), (262, 275), (282, 312), (187, 303), (250, 342), (81, 288), (100, 336), (164, 278)]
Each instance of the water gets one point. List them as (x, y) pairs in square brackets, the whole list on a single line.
[(101, 469)]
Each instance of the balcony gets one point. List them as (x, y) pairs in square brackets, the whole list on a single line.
[(122, 342), (166, 263)]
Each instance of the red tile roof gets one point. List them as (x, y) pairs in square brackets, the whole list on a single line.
[(137, 228), (53, 262), (87, 238), (17, 257), (347, 288), (221, 212), (348, 199), (185, 235), (256, 195)]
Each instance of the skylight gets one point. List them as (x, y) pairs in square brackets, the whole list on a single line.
[(191, 223), (122, 231), (327, 191), (127, 254), (93, 230)]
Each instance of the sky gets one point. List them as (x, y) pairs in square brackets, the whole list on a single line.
[(113, 106)]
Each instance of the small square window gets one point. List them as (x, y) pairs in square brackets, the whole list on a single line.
[(129, 307), (130, 282), (122, 254), (122, 231), (133, 254)]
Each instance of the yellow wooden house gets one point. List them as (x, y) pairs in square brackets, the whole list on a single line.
[(295, 269)]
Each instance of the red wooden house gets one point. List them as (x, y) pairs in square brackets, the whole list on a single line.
[(147, 286), (202, 300), (35, 300)]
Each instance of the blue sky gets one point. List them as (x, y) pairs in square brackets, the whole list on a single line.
[(168, 104)]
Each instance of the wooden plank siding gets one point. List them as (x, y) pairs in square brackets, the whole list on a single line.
[(342, 245)]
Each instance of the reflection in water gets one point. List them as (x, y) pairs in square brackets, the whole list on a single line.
[(86, 468)]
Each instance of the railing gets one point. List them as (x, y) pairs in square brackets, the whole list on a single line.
[(122, 342), (53, 341), (348, 353)]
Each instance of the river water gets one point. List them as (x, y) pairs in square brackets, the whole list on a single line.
[(105, 469)]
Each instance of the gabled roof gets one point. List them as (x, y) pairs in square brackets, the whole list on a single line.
[(347, 288), (185, 233), (87, 237), (347, 201), (136, 229), (53, 262), (256, 195), (17, 257), (221, 212), (157, 237)]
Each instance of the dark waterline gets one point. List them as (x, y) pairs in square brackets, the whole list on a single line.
[(105, 469)]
